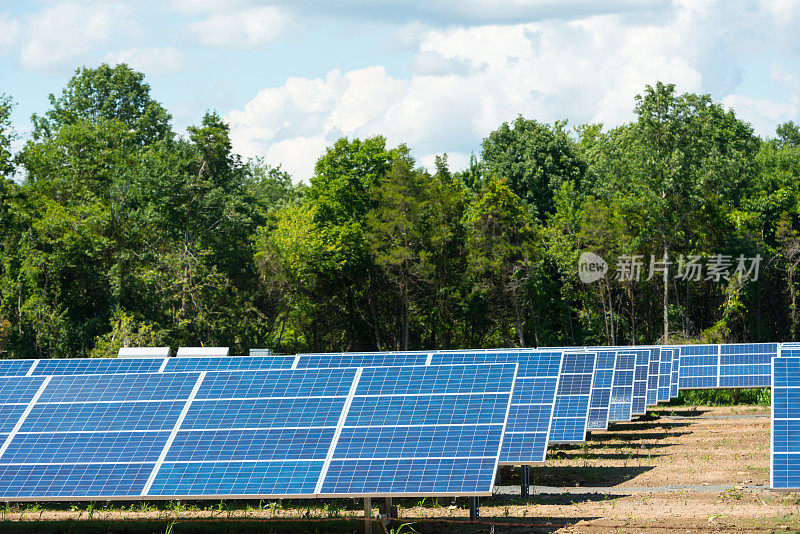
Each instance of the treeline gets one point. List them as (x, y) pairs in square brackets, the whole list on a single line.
[(116, 231)]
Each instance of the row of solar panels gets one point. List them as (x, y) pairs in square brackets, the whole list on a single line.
[(312, 425)]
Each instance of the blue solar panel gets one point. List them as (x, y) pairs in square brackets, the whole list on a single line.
[(653, 370), (664, 375), (786, 423), (673, 383), (699, 366), (601, 390), (15, 367), (622, 390), (571, 406), (255, 433), (640, 374), (103, 416), (361, 359), (90, 366), (453, 458), (237, 363), (526, 436), (746, 365)]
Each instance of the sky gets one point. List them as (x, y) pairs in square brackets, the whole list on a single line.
[(292, 76)]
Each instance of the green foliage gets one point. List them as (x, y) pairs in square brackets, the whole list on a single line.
[(122, 233)]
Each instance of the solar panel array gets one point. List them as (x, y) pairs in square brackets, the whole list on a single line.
[(350, 424), (260, 433)]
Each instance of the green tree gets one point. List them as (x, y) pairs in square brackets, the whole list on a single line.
[(534, 158), (7, 136), (499, 245)]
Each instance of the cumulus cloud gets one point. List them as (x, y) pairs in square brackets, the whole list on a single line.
[(9, 30), (151, 61), (57, 35), (241, 29)]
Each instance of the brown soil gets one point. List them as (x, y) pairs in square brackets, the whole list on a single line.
[(657, 474)]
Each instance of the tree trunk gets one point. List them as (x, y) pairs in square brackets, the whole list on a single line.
[(374, 314), (666, 294), (520, 333)]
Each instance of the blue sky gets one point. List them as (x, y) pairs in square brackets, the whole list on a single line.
[(293, 76)]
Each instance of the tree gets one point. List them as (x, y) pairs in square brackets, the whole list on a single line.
[(788, 135), (106, 94), (684, 161), (500, 250), (7, 136), (535, 160)]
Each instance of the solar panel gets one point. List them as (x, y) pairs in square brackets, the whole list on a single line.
[(571, 406), (361, 359), (622, 390), (258, 433), (639, 403), (239, 363), (15, 367), (653, 366), (785, 446), (526, 437), (746, 365), (439, 455), (601, 390), (664, 374), (699, 366), (92, 366), (673, 383)]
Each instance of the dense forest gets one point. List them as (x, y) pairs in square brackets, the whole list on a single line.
[(115, 230)]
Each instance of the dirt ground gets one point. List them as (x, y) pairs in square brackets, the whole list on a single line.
[(679, 470)]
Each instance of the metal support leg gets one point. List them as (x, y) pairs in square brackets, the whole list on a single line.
[(523, 482), (473, 508), (367, 515)]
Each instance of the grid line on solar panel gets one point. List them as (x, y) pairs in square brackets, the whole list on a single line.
[(673, 385), (72, 481), (18, 390), (664, 375)]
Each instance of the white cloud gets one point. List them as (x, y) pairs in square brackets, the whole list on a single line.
[(9, 30), (151, 61), (241, 29), (57, 35), (587, 70)]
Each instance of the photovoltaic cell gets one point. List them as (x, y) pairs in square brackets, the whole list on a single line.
[(15, 367)]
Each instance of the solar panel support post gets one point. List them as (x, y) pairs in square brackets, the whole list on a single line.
[(389, 509), (367, 515), (523, 482), (473, 508)]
